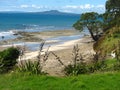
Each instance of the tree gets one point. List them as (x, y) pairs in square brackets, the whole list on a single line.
[(92, 21), (113, 7), (113, 12)]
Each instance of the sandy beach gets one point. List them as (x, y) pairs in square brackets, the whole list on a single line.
[(62, 50), (64, 46), (65, 52)]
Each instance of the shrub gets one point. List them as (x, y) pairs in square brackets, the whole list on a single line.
[(76, 69), (97, 66), (116, 66), (80, 67), (31, 67), (8, 59)]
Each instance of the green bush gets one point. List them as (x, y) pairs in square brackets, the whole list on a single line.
[(8, 59), (116, 66), (82, 68), (31, 67), (76, 69), (97, 66)]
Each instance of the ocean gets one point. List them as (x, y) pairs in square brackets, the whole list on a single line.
[(34, 22)]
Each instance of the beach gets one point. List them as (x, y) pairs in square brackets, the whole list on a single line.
[(32, 40), (53, 40), (27, 31)]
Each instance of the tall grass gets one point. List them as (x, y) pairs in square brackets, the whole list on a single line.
[(34, 67), (30, 67)]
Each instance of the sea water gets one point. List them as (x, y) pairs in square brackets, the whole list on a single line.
[(36, 22)]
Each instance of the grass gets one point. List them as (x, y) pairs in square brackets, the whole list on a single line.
[(109, 40), (100, 81)]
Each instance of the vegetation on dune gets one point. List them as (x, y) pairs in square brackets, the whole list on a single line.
[(106, 23), (109, 42)]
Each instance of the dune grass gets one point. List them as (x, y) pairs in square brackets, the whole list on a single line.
[(109, 41), (99, 81)]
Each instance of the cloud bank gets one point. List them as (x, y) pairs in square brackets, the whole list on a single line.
[(66, 8)]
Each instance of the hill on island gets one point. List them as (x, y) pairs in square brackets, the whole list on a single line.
[(51, 12), (56, 12)]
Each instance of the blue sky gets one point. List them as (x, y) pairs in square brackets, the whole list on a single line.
[(74, 6)]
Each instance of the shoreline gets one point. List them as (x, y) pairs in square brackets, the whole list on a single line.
[(62, 49), (33, 39), (57, 40), (59, 47)]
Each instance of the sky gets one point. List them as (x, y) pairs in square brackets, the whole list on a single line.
[(71, 6)]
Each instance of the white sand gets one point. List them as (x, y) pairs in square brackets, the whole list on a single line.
[(66, 45)]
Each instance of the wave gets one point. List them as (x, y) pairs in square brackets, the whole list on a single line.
[(8, 32), (29, 27), (7, 35)]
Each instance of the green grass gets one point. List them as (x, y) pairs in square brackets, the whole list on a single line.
[(101, 81), (108, 41)]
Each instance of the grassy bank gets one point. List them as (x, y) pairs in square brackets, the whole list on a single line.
[(101, 81), (110, 41)]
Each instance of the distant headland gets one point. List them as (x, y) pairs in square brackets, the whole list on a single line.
[(51, 12)]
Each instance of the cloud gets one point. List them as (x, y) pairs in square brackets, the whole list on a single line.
[(100, 6), (24, 6), (85, 8), (31, 6), (36, 7), (68, 11)]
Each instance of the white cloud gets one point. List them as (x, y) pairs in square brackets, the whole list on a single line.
[(71, 6), (86, 6), (31, 6), (37, 7), (100, 6), (24, 6), (68, 11)]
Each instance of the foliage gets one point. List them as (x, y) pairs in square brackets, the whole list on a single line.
[(113, 7), (112, 14), (75, 69), (36, 66), (78, 66), (31, 67), (97, 66), (108, 42), (93, 23), (116, 66), (8, 59)]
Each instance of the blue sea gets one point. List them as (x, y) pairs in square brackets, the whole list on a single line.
[(34, 22)]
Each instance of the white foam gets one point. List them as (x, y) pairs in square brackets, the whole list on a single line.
[(7, 35)]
